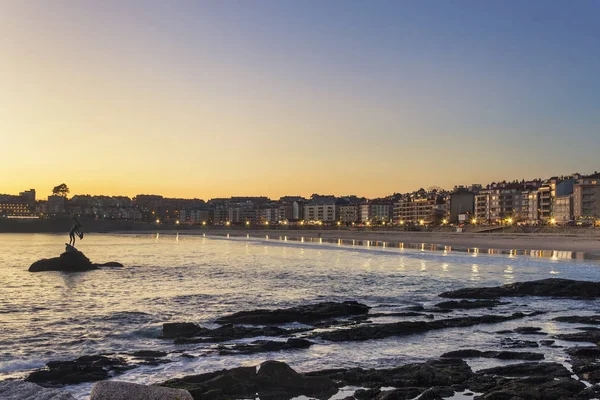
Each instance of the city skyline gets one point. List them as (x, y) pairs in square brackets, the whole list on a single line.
[(219, 99)]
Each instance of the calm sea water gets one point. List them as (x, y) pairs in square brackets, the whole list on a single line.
[(51, 315)]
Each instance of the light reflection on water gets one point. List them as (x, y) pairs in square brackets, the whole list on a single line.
[(197, 278)]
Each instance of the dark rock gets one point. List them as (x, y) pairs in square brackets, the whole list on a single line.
[(585, 362), (379, 331), (260, 346), (585, 336), (578, 319), (148, 354), (530, 330), (528, 370), (466, 304), (552, 287), (171, 330), (366, 394), (400, 394), (517, 344), (83, 369), (69, 261), (231, 332), (547, 342), (396, 314), (501, 355), (443, 372), (504, 332), (436, 393), (110, 264), (304, 314), (274, 379)]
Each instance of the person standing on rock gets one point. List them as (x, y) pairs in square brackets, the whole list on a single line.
[(76, 230)]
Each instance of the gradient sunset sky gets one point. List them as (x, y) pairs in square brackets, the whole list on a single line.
[(219, 98)]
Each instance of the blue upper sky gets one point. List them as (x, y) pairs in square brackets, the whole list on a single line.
[(306, 96)]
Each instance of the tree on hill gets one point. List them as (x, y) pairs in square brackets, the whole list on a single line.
[(60, 190)]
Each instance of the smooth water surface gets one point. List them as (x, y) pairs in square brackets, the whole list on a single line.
[(52, 315)]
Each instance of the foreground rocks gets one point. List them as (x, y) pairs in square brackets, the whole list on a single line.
[(21, 390), (113, 390), (500, 355), (272, 380), (71, 260), (83, 369), (552, 287), (379, 331), (223, 333), (305, 314), (434, 379)]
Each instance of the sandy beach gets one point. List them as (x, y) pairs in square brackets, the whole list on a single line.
[(588, 242)]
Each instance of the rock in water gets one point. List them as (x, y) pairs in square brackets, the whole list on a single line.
[(551, 287), (113, 390), (21, 390), (305, 313), (69, 261)]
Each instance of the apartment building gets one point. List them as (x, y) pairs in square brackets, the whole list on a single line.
[(415, 211), (586, 197)]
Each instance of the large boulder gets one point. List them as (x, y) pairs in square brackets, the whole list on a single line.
[(113, 390), (306, 313), (21, 390), (72, 260), (551, 287), (69, 261)]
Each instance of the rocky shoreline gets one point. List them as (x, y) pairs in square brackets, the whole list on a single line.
[(528, 376)]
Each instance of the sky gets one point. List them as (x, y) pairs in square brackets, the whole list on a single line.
[(219, 98)]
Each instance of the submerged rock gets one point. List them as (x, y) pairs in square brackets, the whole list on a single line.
[(113, 390), (304, 314), (21, 390), (261, 346), (83, 369), (501, 355), (71, 260), (231, 332), (273, 379), (379, 331), (578, 319), (552, 287), (466, 304)]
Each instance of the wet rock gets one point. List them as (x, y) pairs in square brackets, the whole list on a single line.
[(436, 393), (366, 394), (552, 287), (528, 369), (110, 264), (231, 332), (273, 379), (578, 319), (378, 331), (585, 336), (547, 342), (69, 261), (517, 344), (502, 355), (466, 304), (530, 330), (400, 394), (541, 389), (585, 362), (397, 314), (260, 346), (171, 330), (304, 314), (443, 372), (82, 369), (21, 390), (150, 357), (113, 390)]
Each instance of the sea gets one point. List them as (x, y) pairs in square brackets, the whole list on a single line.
[(198, 278)]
